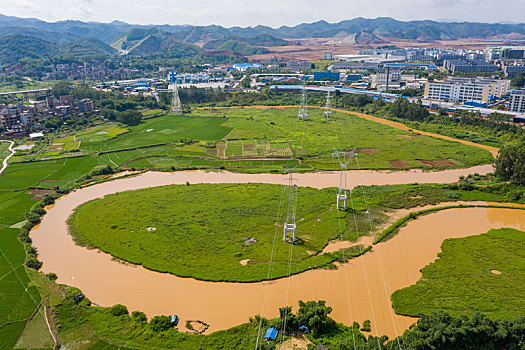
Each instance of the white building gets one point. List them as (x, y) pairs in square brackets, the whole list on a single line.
[(517, 101), (460, 90)]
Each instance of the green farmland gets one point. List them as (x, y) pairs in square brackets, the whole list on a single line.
[(257, 140)]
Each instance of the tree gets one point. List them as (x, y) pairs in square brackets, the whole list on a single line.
[(118, 310), (518, 80), (314, 315), (61, 88), (287, 318), (160, 323), (130, 117), (139, 316), (510, 163)]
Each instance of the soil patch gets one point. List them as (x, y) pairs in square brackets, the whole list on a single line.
[(436, 162), (399, 164), (244, 262), (368, 150), (39, 194), (496, 272)]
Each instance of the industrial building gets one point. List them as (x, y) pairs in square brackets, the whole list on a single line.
[(512, 70), (355, 66), (461, 90), (517, 101), (298, 66), (320, 76), (469, 66), (389, 79)]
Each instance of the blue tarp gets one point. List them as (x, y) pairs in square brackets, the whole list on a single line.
[(271, 333)]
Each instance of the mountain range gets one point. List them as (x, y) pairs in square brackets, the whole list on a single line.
[(34, 38), (384, 27)]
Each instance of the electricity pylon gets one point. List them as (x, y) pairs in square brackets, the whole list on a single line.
[(344, 159), (177, 105), (328, 108), (303, 110), (289, 224)]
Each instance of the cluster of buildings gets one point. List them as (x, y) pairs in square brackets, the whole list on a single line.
[(17, 119), (96, 71)]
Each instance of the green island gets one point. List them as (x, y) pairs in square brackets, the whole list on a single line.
[(484, 273)]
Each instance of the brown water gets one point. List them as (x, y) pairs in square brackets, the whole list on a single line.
[(372, 277)]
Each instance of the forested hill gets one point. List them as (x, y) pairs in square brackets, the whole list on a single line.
[(382, 27)]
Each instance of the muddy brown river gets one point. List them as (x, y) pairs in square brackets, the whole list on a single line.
[(357, 290)]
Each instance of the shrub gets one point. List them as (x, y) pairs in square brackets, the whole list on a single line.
[(52, 276), (366, 326), (139, 316), (160, 323), (118, 310), (33, 263)]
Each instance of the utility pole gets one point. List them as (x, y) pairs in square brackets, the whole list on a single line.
[(344, 159), (177, 105), (303, 110), (328, 108), (289, 224)]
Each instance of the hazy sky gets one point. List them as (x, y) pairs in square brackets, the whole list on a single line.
[(267, 12)]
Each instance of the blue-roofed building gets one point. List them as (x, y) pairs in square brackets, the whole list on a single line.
[(320, 76), (271, 334)]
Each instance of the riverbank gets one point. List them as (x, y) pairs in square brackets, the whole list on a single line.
[(396, 261)]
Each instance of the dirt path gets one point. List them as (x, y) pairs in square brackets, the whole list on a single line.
[(384, 121), (4, 163)]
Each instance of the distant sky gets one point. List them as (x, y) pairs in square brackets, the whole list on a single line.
[(267, 12)]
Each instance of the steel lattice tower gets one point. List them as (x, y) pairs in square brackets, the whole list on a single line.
[(289, 224), (328, 108), (177, 105), (344, 159), (303, 110)]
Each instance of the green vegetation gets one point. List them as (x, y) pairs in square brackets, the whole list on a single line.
[(4, 152), (195, 223), (510, 164), (482, 273)]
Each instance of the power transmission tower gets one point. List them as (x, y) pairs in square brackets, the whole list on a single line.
[(328, 108), (289, 224), (303, 110), (344, 159), (177, 105)]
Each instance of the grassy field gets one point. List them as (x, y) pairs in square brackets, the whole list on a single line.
[(4, 152), (189, 230), (87, 138), (168, 128), (316, 139), (465, 278)]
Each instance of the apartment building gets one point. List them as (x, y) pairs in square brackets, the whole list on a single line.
[(517, 101)]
